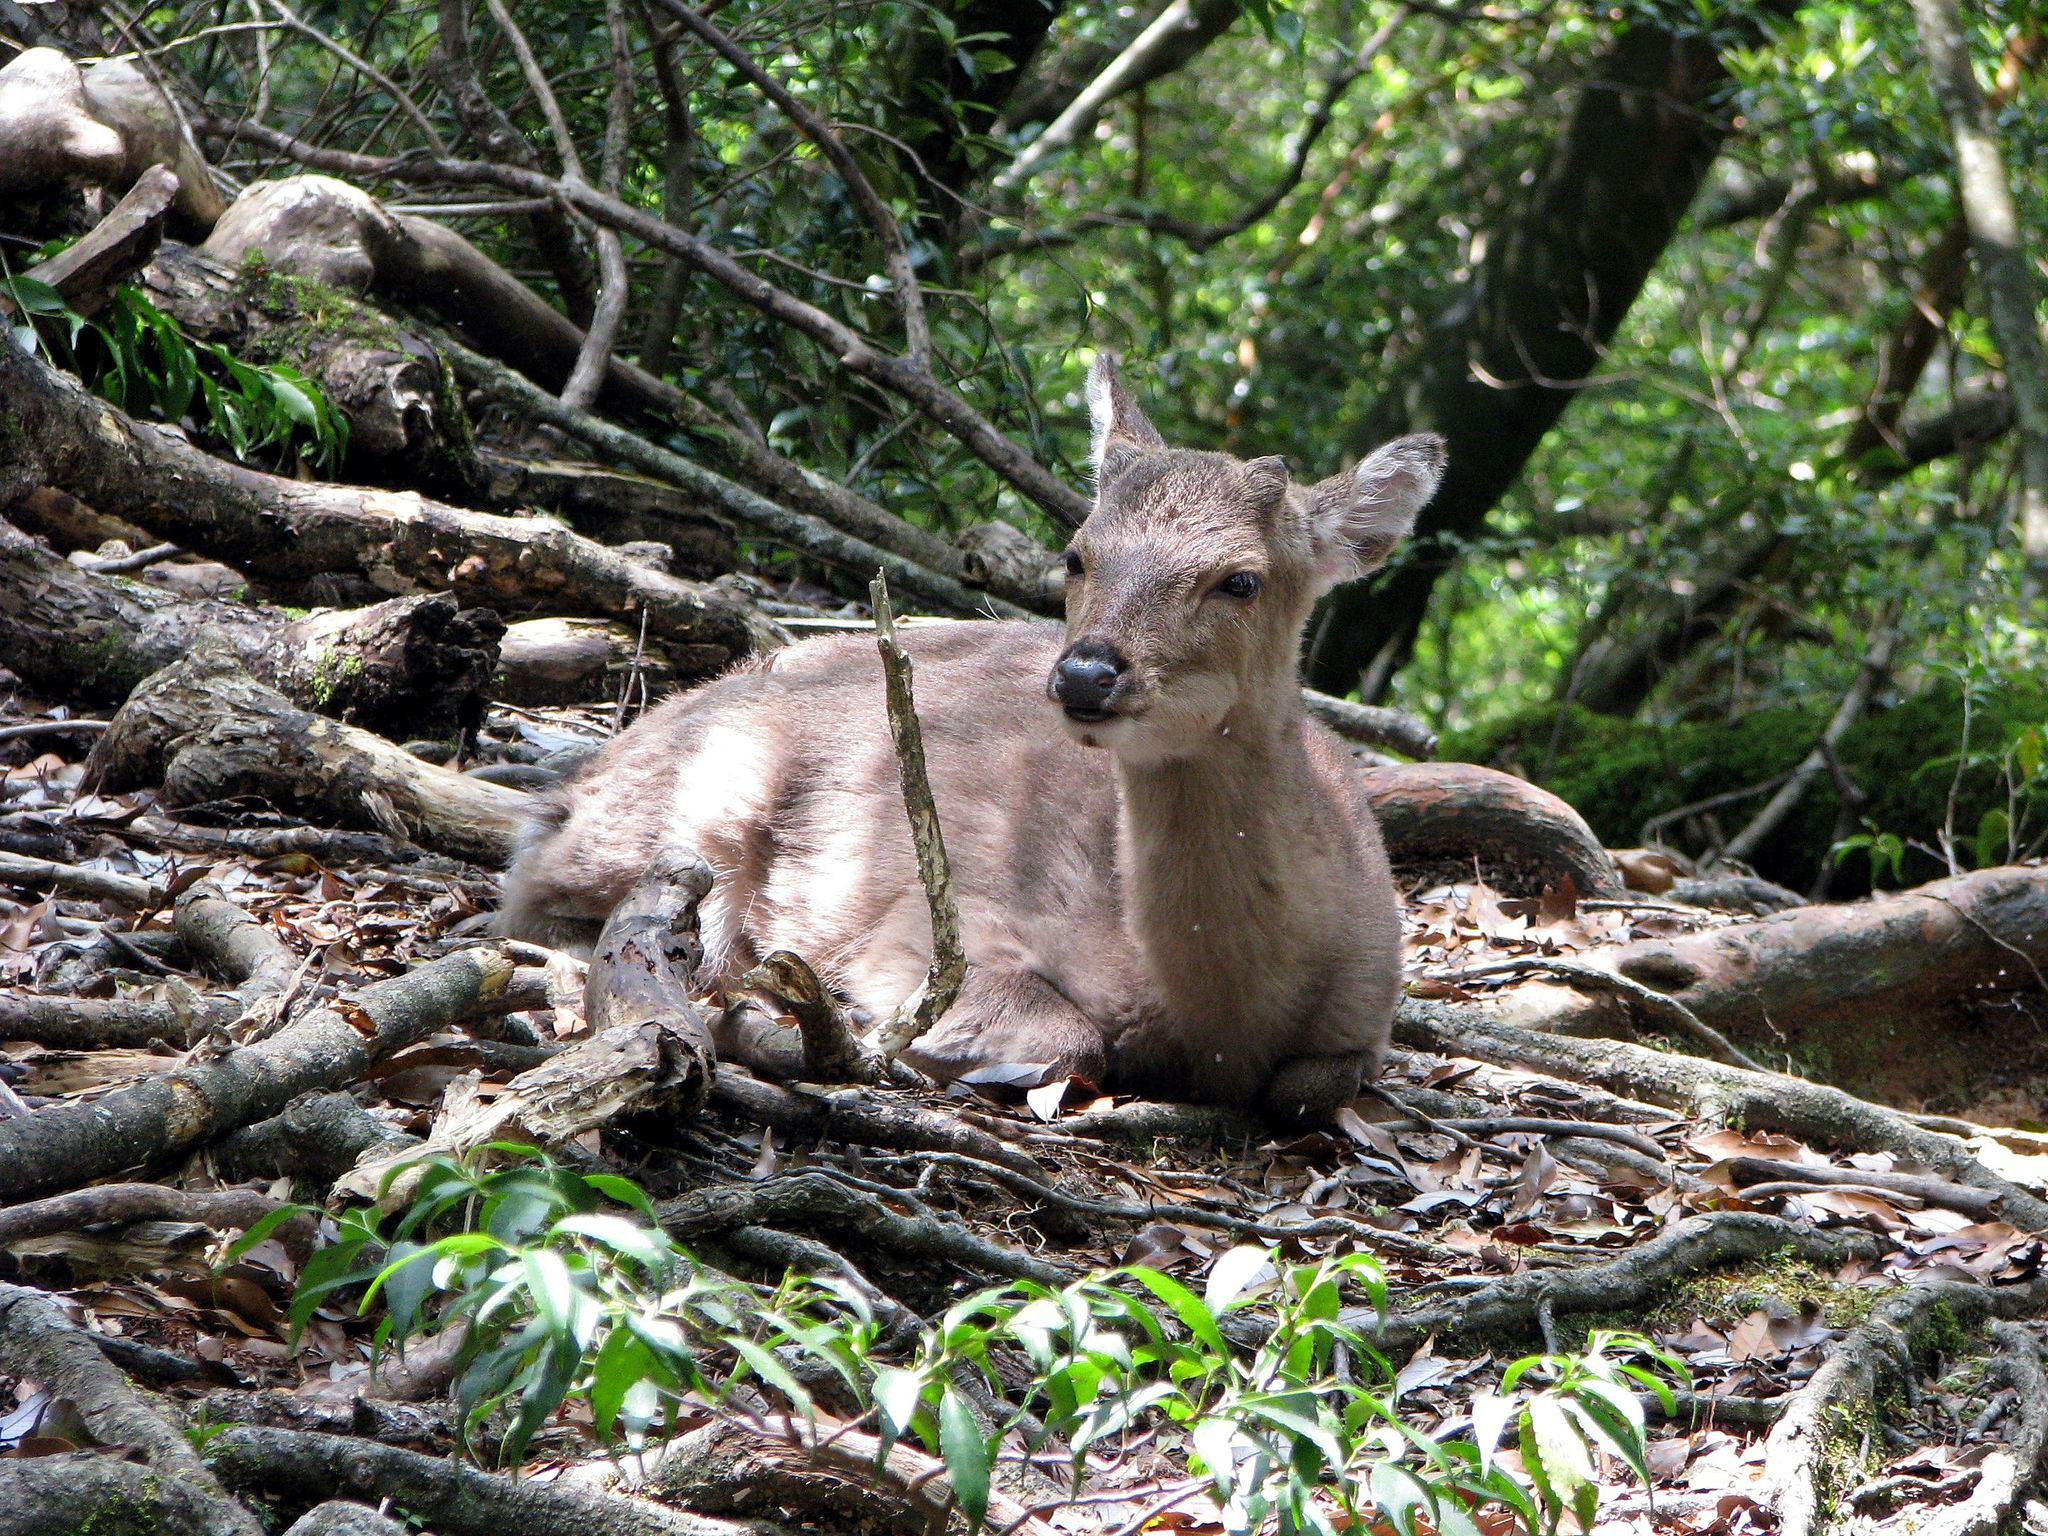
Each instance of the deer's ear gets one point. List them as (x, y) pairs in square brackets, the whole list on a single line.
[(1119, 431), (1361, 515)]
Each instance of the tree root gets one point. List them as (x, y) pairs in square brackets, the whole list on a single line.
[(1518, 1303), (1802, 1458), (65, 1145), (38, 1342), (1710, 1091), (459, 1500)]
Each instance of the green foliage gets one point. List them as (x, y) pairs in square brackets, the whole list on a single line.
[(133, 354), (1961, 762), (563, 1295)]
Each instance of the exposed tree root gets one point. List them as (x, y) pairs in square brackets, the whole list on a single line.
[(38, 1342), (1711, 1091), (458, 1499), (1805, 1456), (66, 1145)]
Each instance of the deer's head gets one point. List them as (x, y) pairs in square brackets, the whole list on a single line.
[(1188, 585)]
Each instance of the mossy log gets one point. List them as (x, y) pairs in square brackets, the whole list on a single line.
[(206, 731), (406, 425), (288, 532), (412, 666)]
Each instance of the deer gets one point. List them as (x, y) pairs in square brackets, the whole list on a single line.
[(1168, 881)]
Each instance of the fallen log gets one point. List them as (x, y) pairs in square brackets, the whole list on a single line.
[(1885, 992), (289, 531), (84, 272), (1443, 819), (412, 666), (406, 424), (614, 507), (574, 661), (206, 730), (65, 1145)]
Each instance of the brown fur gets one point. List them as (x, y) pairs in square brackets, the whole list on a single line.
[(1189, 899)]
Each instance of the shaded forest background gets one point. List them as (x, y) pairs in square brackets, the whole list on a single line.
[(1689, 288)]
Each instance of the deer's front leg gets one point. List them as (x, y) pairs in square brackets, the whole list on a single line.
[(1309, 1090), (1003, 1016)]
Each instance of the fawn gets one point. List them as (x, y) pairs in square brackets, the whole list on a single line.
[(1167, 880)]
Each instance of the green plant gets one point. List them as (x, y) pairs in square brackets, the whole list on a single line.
[(139, 358), (560, 1297)]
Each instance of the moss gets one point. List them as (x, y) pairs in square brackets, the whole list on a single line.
[(330, 670), (304, 314), (1850, 1448), (1619, 774), (1942, 1335), (1724, 1297)]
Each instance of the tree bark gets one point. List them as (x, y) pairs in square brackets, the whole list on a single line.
[(1888, 986), (287, 531), (206, 730), (413, 666), (1447, 817), (65, 1145), (2008, 284)]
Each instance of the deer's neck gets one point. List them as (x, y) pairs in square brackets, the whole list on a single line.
[(1211, 847)]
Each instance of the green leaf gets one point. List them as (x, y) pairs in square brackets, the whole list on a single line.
[(897, 1395), (1185, 1305), (966, 1455), (1231, 1273)]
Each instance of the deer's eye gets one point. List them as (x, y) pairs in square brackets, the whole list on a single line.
[(1242, 585), (1073, 560)]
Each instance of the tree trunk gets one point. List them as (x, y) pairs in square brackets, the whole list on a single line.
[(1553, 289), (413, 666)]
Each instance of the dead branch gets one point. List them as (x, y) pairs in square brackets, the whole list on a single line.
[(1373, 724), (934, 995), (100, 885), (899, 375), (1624, 1284), (319, 1136), (85, 272), (874, 546), (232, 944), (832, 1052), (224, 1210), (65, 1145)]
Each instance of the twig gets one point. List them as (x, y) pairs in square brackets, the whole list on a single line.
[(941, 984), (51, 728), (127, 565)]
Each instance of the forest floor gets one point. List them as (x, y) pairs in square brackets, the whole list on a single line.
[(1512, 1208)]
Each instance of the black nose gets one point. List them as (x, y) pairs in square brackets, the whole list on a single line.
[(1086, 676)]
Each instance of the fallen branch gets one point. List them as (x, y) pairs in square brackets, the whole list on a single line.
[(924, 1007), (65, 1145), (294, 531)]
